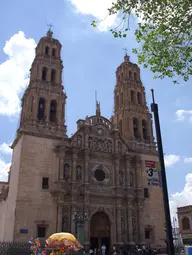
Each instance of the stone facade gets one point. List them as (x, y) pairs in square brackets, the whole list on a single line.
[(185, 223), (102, 167)]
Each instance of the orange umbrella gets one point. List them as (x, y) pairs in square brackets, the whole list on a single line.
[(63, 241)]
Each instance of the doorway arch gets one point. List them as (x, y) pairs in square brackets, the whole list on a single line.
[(100, 231)]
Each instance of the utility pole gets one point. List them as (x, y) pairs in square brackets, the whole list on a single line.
[(169, 233)]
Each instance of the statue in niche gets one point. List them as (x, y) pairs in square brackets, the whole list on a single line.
[(79, 141), (119, 147), (121, 177), (66, 172), (90, 143), (110, 146), (78, 173), (131, 179)]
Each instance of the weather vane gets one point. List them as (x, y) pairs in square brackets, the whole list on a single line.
[(125, 50)]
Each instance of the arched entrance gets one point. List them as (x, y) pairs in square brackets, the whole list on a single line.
[(100, 231)]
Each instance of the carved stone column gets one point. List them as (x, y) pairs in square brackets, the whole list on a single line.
[(141, 223), (138, 172), (118, 225), (127, 172), (59, 218), (61, 168), (130, 223), (131, 126), (86, 172), (73, 226), (74, 164), (140, 131), (117, 171)]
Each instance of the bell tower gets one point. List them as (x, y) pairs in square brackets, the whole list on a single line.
[(131, 114), (43, 103)]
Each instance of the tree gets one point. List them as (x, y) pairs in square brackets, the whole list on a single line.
[(164, 34)]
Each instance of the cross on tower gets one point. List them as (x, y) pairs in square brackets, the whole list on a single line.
[(50, 26), (125, 50)]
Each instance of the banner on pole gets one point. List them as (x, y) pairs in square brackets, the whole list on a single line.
[(153, 173)]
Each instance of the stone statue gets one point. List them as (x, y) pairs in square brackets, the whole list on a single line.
[(78, 173), (66, 172)]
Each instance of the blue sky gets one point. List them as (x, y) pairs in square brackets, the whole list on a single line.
[(90, 58)]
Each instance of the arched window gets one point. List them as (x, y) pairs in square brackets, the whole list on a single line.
[(130, 75), (53, 75), (135, 76), (44, 74), (139, 98), (185, 223), (66, 172), (47, 50), (54, 52), (78, 173), (121, 177), (41, 109), (135, 127), (144, 129), (132, 96), (120, 127), (53, 111)]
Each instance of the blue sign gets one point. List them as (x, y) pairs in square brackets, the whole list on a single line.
[(23, 231)]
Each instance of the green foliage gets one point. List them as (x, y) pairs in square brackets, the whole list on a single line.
[(164, 34)]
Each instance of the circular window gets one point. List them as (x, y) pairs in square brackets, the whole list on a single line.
[(99, 175)]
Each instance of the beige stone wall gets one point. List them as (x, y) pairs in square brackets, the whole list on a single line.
[(13, 189), (35, 205), (2, 219), (153, 206)]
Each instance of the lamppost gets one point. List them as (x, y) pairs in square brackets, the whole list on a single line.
[(169, 233), (79, 220)]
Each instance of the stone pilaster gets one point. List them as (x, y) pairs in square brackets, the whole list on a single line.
[(74, 165), (59, 218), (61, 168), (118, 226), (141, 227), (127, 173), (117, 171), (130, 223), (86, 172)]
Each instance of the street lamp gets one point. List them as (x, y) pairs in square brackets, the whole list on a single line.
[(169, 233), (79, 220)]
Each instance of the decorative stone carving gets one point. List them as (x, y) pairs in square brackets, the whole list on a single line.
[(121, 177), (79, 141), (65, 219), (66, 172), (123, 221), (134, 224), (100, 145), (131, 178), (78, 173), (119, 147)]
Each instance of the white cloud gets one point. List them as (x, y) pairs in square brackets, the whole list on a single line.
[(14, 72), (5, 148), (171, 159), (4, 169), (187, 160), (182, 198), (184, 114), (98, 9)]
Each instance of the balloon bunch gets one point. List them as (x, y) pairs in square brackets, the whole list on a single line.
[(35, 243)]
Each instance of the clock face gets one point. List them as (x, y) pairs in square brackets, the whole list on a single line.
[(100, 131)]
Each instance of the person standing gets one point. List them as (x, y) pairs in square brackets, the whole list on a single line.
[(103, 249)]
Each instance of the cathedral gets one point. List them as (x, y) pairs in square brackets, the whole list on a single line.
[(105, 174)]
